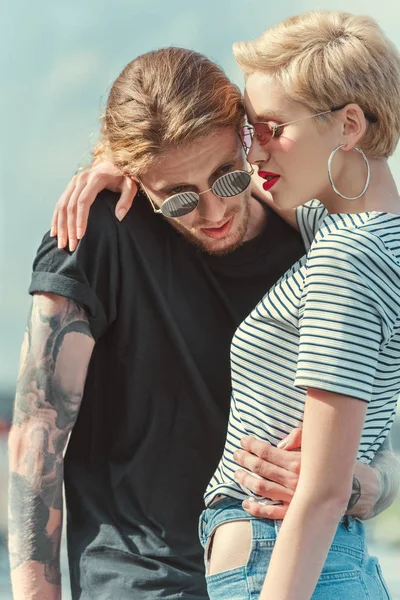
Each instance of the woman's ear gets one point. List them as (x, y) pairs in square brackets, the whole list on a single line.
[(354, 125)]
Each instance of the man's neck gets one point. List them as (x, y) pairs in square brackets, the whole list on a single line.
[(257, 219)]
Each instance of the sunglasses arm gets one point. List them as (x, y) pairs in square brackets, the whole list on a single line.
[(153, 205)]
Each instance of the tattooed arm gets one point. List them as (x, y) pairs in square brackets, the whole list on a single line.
[(375, 497), (55, 354)]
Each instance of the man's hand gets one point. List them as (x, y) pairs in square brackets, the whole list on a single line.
[(72, 209), (275, 473)]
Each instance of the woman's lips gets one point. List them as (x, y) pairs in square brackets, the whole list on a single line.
[(270, 179), (218, 232)]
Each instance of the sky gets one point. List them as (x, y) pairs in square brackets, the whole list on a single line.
[(58, 61)]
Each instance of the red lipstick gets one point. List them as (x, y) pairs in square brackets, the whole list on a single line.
[(271, 179)]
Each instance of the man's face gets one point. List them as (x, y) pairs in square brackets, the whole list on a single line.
[(217, 225)]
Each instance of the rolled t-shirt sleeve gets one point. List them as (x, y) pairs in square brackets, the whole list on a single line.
[(346, 315), (89, 276)]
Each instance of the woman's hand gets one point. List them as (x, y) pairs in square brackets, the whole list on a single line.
[(72, 209)]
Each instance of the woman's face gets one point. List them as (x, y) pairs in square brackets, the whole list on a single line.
[(294, 163)]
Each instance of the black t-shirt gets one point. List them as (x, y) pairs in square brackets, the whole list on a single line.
[(153, 419)]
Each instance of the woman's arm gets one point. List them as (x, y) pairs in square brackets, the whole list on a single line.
[(71, 213), (72, 209), (331, 434), (377, 484)]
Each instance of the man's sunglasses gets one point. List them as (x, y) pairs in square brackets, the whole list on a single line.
[(264, 132), (227, 186)]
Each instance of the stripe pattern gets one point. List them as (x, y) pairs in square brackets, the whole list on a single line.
[(231, 184), (331, 322)]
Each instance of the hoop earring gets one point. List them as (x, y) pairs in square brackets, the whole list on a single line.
[(330, 174)]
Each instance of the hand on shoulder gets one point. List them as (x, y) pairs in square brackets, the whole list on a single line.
[(70, 217)]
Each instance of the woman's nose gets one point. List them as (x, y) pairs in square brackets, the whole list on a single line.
[(258, 153)]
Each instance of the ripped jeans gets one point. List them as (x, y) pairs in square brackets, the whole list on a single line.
[(349, 573)]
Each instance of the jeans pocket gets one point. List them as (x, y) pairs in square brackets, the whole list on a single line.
[(342, 585), (229, 585)]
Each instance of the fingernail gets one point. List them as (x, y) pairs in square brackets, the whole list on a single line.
[(72, 245), (52, 233), (61, 243), (247, 503), (121, 213), (282, 444), (244, 442), (79, 233), (236, 456)]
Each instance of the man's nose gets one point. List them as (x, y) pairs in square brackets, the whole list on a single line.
[(211, 207)]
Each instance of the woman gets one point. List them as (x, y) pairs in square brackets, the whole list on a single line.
[(322, 348)]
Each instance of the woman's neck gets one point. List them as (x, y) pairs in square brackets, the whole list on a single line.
[(382, 194)]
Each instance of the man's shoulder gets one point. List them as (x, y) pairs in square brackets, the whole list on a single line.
[(139, 217), (102, 211)]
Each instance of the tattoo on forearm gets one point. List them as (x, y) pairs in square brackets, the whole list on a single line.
[(355, 493), (45, 412)]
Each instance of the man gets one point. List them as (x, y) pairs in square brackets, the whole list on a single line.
[(127, 347)]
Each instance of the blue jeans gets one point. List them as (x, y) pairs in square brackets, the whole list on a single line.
[(349, 572)]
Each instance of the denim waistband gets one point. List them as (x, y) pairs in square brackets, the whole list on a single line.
[(230, 509)]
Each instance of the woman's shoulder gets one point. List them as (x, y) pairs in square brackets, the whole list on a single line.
[(375, 235)]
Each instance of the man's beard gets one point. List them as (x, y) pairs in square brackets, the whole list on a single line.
[(235, 240)]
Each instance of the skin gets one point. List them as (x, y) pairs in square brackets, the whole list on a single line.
[(54, 359)]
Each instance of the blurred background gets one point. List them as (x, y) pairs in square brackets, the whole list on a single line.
[(58, 61)]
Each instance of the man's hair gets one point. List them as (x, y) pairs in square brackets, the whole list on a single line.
[(326, 59), (162, 100)]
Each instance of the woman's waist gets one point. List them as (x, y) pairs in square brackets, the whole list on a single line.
[(226, 515), (224, 510)]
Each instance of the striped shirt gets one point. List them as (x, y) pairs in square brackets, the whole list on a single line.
[(332, 322)]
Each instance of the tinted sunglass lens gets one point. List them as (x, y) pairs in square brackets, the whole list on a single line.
[(180, 204), (263, 133), (232, 184)]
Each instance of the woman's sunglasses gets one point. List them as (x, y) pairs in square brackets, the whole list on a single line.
[(264, 132), (227, 186)]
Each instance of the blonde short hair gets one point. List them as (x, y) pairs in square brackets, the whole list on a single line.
[(325, 59), (164, 99)]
